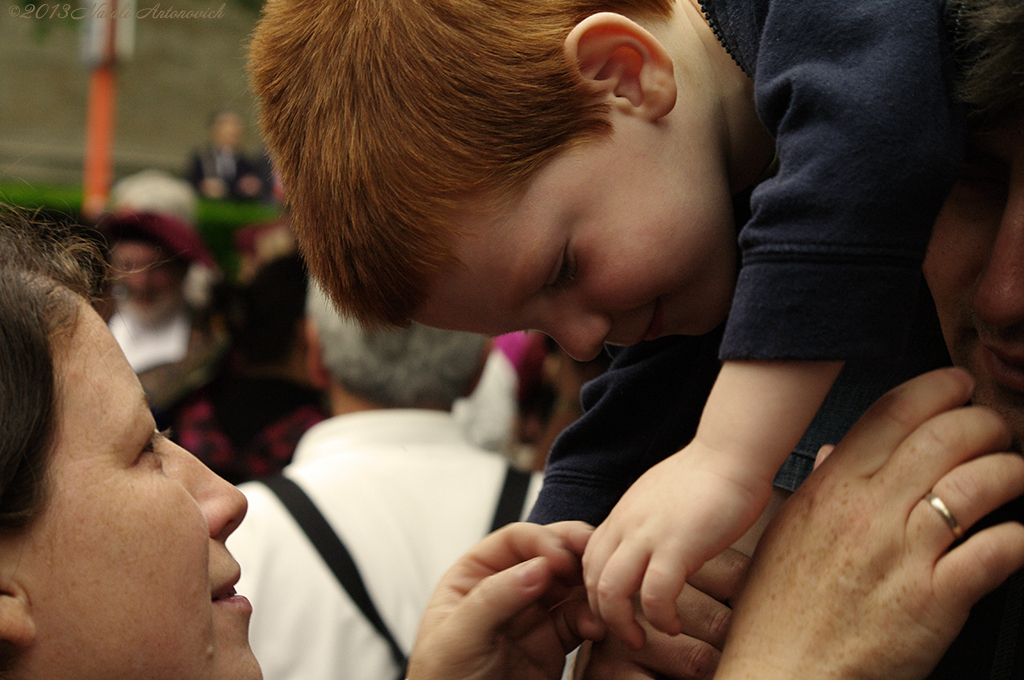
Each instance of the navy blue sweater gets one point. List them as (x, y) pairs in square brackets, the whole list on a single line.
[(858, 96)]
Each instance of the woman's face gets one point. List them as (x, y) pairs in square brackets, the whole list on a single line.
[(125, 573)]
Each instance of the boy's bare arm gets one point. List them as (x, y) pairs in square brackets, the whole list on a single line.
[(695, 503), (759, 410)]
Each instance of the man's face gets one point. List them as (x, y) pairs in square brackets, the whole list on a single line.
[(147, 284), (975, 269)]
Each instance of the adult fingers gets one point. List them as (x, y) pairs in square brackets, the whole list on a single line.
[(561, 543), (499, 597), (962, 497), (703, 617), (937, 447), (721, 576), (895, 415), (979, 565), (663, 656), (501, 612)]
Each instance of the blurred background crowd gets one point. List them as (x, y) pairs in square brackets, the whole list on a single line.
[(208, 302), (414, 443)]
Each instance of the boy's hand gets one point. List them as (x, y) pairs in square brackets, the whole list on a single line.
[(678, 514), (692, 655)]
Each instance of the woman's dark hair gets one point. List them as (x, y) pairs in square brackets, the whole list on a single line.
[(46, 270)]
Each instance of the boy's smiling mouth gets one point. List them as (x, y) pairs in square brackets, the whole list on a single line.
[(657, 326)]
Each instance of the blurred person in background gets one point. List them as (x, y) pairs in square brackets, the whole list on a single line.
[(221, 169), (397, 480), (259, 243), (245, 423), (170, 343), (554, 403), (488, 415), (155, 191), (548, 383)]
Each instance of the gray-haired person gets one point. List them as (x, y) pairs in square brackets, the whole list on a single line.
[(397, 480)]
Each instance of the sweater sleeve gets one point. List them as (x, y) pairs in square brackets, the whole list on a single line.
[(859, 97), (643, 409), (647, 406)]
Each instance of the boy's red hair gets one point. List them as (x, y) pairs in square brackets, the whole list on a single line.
[(384, 116)]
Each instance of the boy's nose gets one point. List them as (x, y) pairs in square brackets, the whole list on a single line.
[(999, 296), (581, 335)]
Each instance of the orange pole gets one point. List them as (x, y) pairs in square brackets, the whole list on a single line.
[(99, 137), (99, 130)]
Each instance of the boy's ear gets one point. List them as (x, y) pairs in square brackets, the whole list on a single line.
[(622, 59)]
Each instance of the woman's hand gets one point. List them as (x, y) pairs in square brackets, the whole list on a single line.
[(512, 607)]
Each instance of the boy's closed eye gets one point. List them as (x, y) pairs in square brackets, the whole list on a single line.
[(564, 272)]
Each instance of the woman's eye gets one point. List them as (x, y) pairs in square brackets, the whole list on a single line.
[(155, 440)]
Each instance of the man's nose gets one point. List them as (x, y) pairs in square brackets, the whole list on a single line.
[(999, 297)]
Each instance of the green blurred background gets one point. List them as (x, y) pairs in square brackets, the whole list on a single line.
[(180, 72)]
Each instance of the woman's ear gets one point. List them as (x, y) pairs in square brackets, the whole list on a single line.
[(622, 59), (16, 623)]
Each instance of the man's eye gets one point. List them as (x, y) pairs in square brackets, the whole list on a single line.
[(983, 180), (982, 177)]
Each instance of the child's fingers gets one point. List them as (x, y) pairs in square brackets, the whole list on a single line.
[(662, 583), (600, 548), (621, 577)]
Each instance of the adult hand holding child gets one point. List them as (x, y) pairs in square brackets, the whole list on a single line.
[(859, 574)]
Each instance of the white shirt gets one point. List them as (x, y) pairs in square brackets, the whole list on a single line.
[(407, 494), (489, 413), (147, 347)]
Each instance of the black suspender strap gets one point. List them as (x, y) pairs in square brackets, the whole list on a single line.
[(337, 557), (513, 496)]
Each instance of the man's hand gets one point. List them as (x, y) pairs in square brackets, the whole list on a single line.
[(859, 576)]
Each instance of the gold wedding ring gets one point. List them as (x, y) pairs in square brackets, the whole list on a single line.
[(941, 508)]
